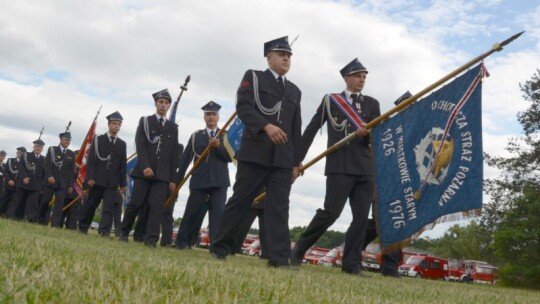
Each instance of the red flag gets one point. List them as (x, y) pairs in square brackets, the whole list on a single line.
[(80, 162)]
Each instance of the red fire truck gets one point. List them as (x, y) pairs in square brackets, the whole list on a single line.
[(313, 255), (372, 257), (472, 271), (332, 257), (425, 266)]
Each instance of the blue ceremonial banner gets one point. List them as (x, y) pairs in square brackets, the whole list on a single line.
[(172, 115), (129, 167), (234, 136), (429, 159)]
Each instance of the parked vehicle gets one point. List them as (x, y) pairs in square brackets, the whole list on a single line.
[(314, 255), (254, 249), (250, 238), (484, 274), (372, 257), (331, 258), (204, 238), (456, 270), (424, 266), (479, 271)]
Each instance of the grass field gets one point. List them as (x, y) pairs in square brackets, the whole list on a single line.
[(45, 265)]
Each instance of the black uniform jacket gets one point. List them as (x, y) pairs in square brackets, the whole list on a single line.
[(353, 158), (61, 167), (213, 170), (32, 167), (162, 156), (11, 171), (2, 175), (109, 173), (256, 146)]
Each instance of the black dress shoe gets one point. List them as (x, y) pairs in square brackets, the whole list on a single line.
[(123, 239), (295, 262), (218, 257), (150, 244)]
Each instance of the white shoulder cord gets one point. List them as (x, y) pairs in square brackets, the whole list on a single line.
[(96, 148), (28, 166), (53, 158), (263, 109), (337, 127), (147, 132), (14, 172), (193, 145)]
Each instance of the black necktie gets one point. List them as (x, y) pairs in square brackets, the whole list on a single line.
[(112, 139), (63, 151), (281, 87), (212, 133), (161, 121)]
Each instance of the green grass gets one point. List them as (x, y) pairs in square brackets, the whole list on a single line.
[(45, 265)]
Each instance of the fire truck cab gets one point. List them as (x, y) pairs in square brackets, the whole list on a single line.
[(424, 266)]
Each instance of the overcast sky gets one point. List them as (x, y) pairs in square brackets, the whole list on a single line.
[(61, 60)]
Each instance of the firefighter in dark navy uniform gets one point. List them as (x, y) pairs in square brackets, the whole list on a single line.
[(269, 155), (31, 173), (209, 182), (349, 170), (105, 176), (11, 171), (58, 181), (156, 140)]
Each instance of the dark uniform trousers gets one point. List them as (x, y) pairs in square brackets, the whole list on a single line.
[(95, 195), (28, 201), (44, 213), (166, 224), (213, 199), (390, 261), (339, 188), (250, 179), (6, 201), (193, 232), (111, 213), (153, 191), (70, 217), (243, 230)]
